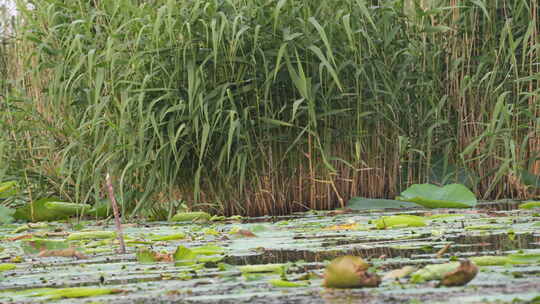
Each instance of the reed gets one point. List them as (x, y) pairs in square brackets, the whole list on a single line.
[(270, 107)]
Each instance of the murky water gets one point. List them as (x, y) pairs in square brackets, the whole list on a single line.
[(304, 243)]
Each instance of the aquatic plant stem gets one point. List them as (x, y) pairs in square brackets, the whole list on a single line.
[(120, 235)]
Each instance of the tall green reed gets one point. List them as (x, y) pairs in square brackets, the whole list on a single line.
[(269, 107)]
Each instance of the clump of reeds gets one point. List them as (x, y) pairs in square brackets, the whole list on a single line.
[(270, 107)]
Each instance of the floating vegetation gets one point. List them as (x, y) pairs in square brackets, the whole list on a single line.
[(391, 255)]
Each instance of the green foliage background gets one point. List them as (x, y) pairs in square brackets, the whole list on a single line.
[(259, 107)]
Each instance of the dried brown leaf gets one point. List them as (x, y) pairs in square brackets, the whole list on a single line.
[(246, 233), (461, 276), (68, 252)]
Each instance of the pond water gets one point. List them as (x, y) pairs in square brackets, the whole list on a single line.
[(293, 249)]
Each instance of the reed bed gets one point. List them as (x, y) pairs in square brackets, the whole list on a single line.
[(271, 107)]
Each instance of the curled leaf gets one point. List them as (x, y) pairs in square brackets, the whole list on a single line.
[(432, 196), (461, 276), (147, 256), (349, 272), (433, 272)]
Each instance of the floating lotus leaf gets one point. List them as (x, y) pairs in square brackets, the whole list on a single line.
[(433, 272), (36, 245), (513, 259), (91, 235), (399, 221), (529, 205), (191, 216), (287, 284), (74, 292), (49, 209), (432, 196), (6, 267), (449, 274), (184, 256), (490, 260), (273, 268), (171, 237), (360, 203)]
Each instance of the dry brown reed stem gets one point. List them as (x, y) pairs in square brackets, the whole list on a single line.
[(116, 214)]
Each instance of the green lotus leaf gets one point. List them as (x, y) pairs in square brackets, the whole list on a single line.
[(530, 205), (191, 216), (432, 196), (261, 268), (74, 292), (36, 245), (433, 272), (399, 221), (49, 209), (287, 284), (91, 235), (361, 203), (6, 267)]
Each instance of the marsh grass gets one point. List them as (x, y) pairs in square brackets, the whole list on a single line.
[(270, 107)]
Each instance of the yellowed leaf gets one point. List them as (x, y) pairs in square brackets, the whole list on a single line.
[(351, 226)]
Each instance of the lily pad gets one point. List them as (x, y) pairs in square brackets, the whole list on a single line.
[(191, 216), (171, 237), (399, 221), (512, 259), (433, 272), (49, 209), (91, 235), (75, 292), (361, 203), (432, 196), (530, 205), (184, 256), (36, 245), (273, 268), (483, 227), (183, 253), (287, 284), (6, 267), (147, 256)]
